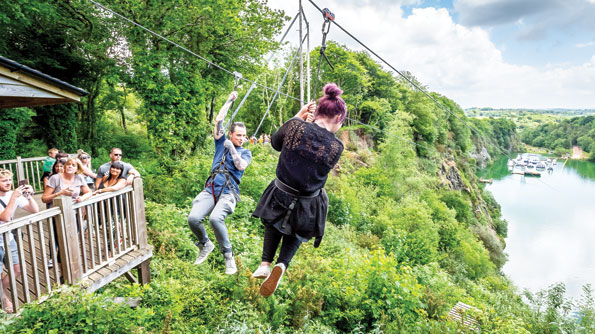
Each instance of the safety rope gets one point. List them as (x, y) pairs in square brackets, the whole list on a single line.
[(254, 83), (405, 77), (326, 26), (329, 17), (237, 76), (280, 84), (184, 49)]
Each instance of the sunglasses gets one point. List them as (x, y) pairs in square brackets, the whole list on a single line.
[(118, 154), (62, 161), (85, 157)]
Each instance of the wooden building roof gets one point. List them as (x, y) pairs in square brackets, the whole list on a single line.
[(22, 86)]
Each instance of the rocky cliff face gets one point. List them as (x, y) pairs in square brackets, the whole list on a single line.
[(451, 176), (481, 156)]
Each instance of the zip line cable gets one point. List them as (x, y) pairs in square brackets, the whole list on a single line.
[(280, 84), (254, 83), (277, 91), (402, 75), (387, 133), (184, 49)]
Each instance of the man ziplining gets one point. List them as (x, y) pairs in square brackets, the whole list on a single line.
[(221, 192)]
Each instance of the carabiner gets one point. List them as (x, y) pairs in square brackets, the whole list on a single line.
[(237, 76)]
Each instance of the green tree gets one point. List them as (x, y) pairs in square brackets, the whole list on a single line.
[(178, 89), (11, 121), (69, 41)]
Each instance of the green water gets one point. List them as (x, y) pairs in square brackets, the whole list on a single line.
[(551, 224)]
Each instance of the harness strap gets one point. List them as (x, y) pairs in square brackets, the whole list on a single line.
[(221, 169), (296, 196), (292, 191)]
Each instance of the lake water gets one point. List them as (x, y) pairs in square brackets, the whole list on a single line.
[(551, 225)]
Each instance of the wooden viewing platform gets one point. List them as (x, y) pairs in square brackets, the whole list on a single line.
[(90, 243), (463, 314)]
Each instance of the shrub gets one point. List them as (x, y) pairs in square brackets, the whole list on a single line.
[(74, 311), (168, 231), (413, 229)]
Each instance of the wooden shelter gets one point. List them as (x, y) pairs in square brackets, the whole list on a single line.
[(22, 86)]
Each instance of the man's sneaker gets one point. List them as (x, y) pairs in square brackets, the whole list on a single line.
[(270, 284), (230, 264), (205, 250), (50, 263), (262, 272)]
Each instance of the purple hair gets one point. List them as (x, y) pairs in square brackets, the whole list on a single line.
[(331, 104)]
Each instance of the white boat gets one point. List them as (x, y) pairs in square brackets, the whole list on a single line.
[(540, 165)]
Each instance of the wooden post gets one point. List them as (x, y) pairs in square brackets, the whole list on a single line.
[(144, 271), (68, 240), (139, 212), (20, 169)]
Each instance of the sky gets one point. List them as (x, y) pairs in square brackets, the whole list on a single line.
[(480, 53)]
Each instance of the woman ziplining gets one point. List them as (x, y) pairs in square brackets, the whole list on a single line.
[(294, 206)]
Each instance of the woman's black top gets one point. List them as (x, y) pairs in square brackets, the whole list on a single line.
[(308, 153)]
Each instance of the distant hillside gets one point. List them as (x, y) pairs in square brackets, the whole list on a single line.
[(561, 136), (529, 118), (492, 112)]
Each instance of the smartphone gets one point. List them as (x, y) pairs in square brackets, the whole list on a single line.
[(23, 182)]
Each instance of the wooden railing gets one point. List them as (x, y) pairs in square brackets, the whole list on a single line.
[(90, 237), (26, 168), (36, 249)]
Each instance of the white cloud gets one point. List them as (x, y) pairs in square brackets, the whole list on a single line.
[(584, 45), (459, 62)]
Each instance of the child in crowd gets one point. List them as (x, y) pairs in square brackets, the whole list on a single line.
[(48, 163), (85, 159)]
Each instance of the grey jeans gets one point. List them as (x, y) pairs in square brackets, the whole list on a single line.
[(203, 205)]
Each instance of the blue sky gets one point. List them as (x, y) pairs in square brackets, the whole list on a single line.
[(485, 53)]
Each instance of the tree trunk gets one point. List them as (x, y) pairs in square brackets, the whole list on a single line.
[(212, 108), (122, 110)]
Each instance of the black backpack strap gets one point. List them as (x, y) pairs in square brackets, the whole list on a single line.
[(3, 204)]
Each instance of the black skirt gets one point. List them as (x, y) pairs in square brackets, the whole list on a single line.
[(307, 219)]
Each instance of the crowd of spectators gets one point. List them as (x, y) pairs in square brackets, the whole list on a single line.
[(63, 175), (264, 139)]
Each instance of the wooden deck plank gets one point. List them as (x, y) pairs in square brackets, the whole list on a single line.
[(40, 280), (106, 241), (140, 256)]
